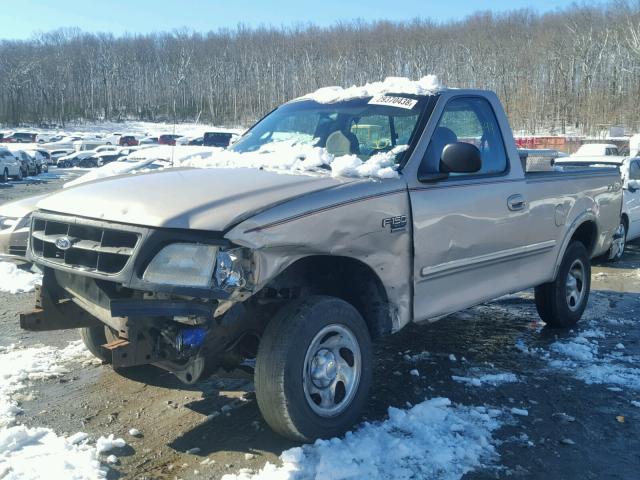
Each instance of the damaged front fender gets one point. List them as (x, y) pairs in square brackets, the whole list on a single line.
[(365, 222)]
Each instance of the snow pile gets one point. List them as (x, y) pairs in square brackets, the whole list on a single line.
[(13, 280), (491, 379), (433, 440), (296, 156), (585, 358), (427, 85), (34, 453), (106, 444)]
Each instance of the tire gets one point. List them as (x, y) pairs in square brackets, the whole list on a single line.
[(289, 393), (5, 176), (616, 251), (94, 338), (561, 303)]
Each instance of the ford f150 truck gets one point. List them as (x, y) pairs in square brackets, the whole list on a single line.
[(300, 268)]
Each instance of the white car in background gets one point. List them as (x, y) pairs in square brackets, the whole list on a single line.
[(48, 137), (597, 150), (10, 166), (629, 228), (56, 154), (65, 143)]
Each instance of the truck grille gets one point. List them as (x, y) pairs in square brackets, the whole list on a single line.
[(82, 246)]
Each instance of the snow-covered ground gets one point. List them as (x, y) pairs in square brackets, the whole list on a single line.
[(593, 352), (432, 440), (37, 453), (15, 280)]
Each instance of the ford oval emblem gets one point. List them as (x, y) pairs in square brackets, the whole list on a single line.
[(63, 243)]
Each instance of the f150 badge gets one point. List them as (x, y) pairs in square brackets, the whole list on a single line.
[(395, 224)]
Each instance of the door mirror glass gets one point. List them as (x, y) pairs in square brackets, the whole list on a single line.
[(460, 157)]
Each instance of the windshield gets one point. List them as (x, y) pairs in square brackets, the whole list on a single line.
[(357, 127)]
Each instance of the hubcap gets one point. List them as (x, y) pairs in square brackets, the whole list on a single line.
[(575, 287), (331, 372), (619, 242)]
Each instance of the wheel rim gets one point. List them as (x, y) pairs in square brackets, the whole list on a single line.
[(620, 242), (331, 372), (575, 287)]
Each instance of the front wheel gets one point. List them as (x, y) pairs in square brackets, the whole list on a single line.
[(94, 338), (313, 369), (560, 303), (5, 176)]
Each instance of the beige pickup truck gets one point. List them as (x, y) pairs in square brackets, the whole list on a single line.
[(300, 265)]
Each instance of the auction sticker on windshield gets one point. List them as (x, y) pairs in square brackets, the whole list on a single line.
[(392, 101)]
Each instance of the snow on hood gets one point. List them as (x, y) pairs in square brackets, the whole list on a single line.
[(427, 85), (292, 156)]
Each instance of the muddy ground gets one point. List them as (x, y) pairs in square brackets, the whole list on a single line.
[(219, 416)]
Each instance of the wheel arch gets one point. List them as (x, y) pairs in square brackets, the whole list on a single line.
[(343, 277), (585, 230)]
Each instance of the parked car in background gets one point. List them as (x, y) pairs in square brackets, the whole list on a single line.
[(48, 137), (217, 139), (64, 143), (10, 166), (112, 138), (45, 154), (29, 165), (40, 160), (597, 150), (14, 227), (629, 228), (149, 141), (128, 141), (89, 144), (20, 137), (56, 154), (73, 159), (168, 139)]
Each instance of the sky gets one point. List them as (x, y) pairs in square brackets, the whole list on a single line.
[(21, 20)]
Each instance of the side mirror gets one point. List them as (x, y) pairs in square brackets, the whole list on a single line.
[(460, 157), (633, 185)]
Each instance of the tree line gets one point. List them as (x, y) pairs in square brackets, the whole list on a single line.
[(574, 68)]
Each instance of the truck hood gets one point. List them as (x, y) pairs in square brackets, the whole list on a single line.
[(202, 199)]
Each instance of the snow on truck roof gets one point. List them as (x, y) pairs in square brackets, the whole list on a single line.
[(427, 85)]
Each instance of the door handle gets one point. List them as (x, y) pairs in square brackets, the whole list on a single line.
[(516, 202)]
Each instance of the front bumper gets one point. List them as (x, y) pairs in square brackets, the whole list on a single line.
[(70, 301)]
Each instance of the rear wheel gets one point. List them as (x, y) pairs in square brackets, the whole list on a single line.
[(561, 303), (313, 369), (5, 176), (616, 251)]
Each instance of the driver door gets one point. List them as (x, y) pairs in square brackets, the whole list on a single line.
[(469, 229)]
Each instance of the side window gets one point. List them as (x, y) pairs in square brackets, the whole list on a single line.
[(634, 171), (470, 120)]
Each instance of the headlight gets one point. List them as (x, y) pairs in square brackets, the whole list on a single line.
[(185, 264), (229, 273), (7, 222)]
